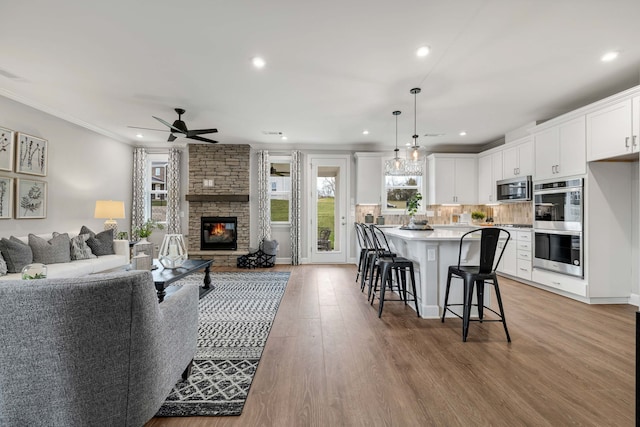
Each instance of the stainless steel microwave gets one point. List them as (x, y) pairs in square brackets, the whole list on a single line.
[(514, 189)]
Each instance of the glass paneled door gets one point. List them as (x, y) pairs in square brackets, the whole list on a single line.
[(328, 231)]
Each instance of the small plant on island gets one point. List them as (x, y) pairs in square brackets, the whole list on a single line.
[(413, 204), (146, 229)]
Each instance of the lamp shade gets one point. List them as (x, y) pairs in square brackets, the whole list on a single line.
[(109, 209)]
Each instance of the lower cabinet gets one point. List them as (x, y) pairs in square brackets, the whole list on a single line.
[(563, 282)]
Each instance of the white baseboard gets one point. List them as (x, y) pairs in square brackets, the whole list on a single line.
[(634, 299)]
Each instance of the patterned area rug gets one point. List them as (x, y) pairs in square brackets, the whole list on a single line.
[(234, 323)]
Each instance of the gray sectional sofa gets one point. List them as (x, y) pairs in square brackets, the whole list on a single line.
[(97, 350)]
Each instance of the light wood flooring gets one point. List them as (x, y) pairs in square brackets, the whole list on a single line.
[(329, 361)]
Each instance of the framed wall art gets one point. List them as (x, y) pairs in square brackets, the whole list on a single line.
[(31, 155), (6, 197), (6, 149), (31, 198)]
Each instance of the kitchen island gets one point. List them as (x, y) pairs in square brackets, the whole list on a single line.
[(432, 252)]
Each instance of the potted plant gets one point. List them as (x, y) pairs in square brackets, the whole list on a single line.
[(413, 204), (146, 229), (477, 216)]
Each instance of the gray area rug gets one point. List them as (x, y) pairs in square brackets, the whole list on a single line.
[(234, 323)]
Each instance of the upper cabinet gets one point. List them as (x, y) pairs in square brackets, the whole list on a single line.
[(613, 131), (452, 179), (369, 178), (489, 171), (560, 150), (518, 158)]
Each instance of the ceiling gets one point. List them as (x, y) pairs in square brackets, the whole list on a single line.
[(333, 68)]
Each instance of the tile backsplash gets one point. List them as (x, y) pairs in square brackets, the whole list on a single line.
[(508, 213)]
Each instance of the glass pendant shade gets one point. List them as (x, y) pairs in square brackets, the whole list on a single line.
[(395, 166), (173, 251)]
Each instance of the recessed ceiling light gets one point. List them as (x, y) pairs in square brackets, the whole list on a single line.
[(423, 51), (365, 132), (139, 135), (258, 62), (609, 56), (463, 133)]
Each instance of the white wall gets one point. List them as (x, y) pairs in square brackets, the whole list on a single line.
[(83, 167)]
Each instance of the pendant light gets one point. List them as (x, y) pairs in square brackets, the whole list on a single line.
[(395, 166), (414, 165)]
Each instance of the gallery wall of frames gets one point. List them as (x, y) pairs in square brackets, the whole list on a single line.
[(25, 195)]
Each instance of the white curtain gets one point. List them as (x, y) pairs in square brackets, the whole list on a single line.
[(139, 189), (296, 195), (173, 192), (264, 197)]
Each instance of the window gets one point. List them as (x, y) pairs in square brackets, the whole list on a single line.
[(398, 189), (280, 179), (157, 192)]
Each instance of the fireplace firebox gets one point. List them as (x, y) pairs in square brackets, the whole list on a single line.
[(219, 233)]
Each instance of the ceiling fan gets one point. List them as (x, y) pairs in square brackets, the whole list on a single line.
[(180, 127)]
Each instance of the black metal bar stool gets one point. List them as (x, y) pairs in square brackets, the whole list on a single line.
[(364, 251), (370, 259), (388, 263), (478, 276)]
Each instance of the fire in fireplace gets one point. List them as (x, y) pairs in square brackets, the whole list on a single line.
[(218, 233)]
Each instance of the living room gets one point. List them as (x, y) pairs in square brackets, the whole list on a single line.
[(88, 86)]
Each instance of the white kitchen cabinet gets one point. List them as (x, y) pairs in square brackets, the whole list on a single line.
[(489, 171), (369, 178), (562, 282), (517, 257), (524, 254), (560, 151), (518, 158), (509, 261), (614, 130), (452, 179)]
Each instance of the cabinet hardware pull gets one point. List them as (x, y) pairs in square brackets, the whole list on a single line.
[(634, 140), (556, 283), (626, 142)]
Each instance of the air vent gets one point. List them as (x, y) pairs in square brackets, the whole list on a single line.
[(433, 135), (272, 132)]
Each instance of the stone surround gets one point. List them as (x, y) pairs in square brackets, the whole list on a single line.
[(228, 166)]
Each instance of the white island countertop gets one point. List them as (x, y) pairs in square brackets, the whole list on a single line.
[(438, 234)]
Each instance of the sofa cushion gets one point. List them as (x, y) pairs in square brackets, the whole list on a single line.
[(80, 249), (3, 266), (16, 253), (54, 251), (101, 243)]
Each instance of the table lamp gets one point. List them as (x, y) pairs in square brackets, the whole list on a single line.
[(109, 210)]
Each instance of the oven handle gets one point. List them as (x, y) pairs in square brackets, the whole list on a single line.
[(557, 190), (563, 232)]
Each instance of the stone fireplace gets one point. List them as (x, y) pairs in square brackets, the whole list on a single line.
[(228, 167)]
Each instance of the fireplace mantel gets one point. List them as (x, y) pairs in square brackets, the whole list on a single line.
[(217, 197)]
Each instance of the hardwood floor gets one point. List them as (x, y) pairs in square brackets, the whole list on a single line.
[(329, 361)]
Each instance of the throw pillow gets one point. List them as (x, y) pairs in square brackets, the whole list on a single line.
[(3, 266), (54, 251), (270, 247), (101, 243), (86, 230), (80, 249), (16, 253)]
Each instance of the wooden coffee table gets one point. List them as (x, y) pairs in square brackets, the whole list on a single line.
[(163, 277)]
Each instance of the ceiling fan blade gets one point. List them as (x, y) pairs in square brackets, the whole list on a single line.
[(158, 130), (169, 125), (172, 138), (199, 138), (201, 131)]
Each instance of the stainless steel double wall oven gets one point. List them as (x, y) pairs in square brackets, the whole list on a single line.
[(558, 226)]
